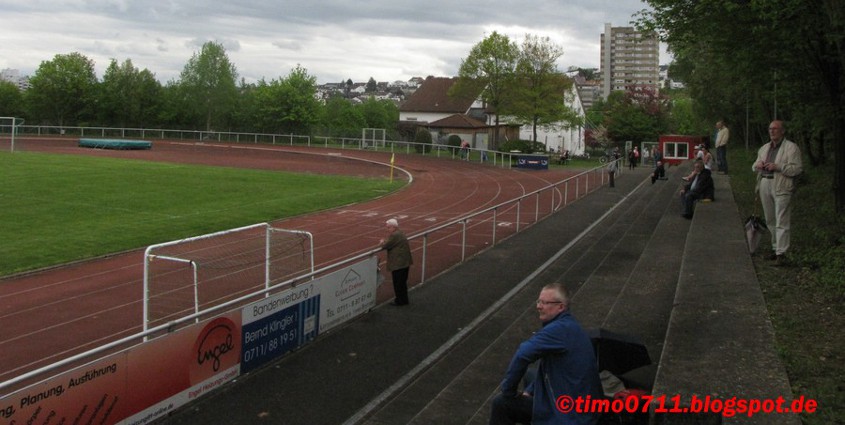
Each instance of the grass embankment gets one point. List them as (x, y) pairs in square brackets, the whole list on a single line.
[(56, 208), (806, 300)]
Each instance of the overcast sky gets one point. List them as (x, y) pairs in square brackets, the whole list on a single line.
[(334, 40)]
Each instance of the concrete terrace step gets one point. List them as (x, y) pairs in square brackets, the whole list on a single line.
[(597, 269), (345, 372), (720, 341)]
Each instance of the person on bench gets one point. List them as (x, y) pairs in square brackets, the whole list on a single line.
[(699, 187), (564, 156), (659, 172)]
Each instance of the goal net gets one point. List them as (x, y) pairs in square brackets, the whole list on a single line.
[(192, 275), (373, 138)]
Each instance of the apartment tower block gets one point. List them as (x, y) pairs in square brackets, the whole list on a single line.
[(629, 59)]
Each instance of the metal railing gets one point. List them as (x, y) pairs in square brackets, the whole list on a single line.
[(441, 247), (496, 158)]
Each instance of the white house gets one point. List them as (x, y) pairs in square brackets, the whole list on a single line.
[(561, 136)]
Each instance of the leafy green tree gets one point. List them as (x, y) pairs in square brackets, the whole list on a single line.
[(755, 58), (372, 86), (540, 90), (379, 113), (62, 90), (128, 97), (589, 74), (637, 115), (11, 100), (245, 114), (208, 81), (287, 105), (489, 69), (341, 119), (175, 109)]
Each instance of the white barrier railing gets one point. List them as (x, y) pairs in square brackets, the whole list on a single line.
[(589, 180)]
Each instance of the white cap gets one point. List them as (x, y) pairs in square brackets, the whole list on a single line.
[(392, 222)]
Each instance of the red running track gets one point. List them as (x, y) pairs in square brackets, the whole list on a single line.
[(50, 315)]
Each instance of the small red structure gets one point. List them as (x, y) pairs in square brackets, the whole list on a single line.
[(678, 148)]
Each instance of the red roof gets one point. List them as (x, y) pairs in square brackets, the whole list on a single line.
[(432, 96), (458, 121)]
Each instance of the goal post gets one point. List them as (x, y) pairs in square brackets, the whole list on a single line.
[(372, 137), (10, 125), (187, 276)]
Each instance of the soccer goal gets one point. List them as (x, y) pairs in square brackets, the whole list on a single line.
[(373, 138), (10, 125), (191, 275)]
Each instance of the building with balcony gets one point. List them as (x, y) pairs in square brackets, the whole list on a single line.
[(629, 59)]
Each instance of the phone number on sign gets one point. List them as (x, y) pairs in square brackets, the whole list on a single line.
[(728, 407)]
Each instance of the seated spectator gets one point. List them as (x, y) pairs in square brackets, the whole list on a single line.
[(700, 187), (659, 172), (707, 157), (564, 156)]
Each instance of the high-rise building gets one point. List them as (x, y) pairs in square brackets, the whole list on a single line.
[(629, 59), (14, 76)]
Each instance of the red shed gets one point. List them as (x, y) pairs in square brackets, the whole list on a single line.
[(677, 148)]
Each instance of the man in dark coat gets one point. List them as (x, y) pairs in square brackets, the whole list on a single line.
[(399, 260), (700, 186)]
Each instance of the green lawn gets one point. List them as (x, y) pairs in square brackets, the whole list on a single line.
[(56, 208)]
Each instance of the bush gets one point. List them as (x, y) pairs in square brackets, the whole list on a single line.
[(524, 146), (454, 141), (422, 141)]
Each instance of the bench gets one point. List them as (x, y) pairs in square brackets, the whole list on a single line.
[(719, 342)]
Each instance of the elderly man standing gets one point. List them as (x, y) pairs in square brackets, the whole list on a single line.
[(399, 260), (567, 369), (778, 163), (722, 146)]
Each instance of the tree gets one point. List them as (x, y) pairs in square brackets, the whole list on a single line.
[(540, 90), (341, 119), (372, 86), (347, 88), (128, 97), (11, 100), (489, 69), (62, 90), (589, 74), (287, 105), (638, 115), (208, 81), (755, 57), (379, 113)]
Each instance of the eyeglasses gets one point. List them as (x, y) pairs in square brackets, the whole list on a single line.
[(544, 303)]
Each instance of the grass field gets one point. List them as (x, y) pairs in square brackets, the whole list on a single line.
[(56, 208)]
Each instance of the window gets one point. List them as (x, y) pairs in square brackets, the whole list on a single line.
[(675, 150)]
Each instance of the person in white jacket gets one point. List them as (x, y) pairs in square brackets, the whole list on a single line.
[(778, 163), (721, 147)]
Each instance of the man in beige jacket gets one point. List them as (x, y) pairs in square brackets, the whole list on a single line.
[(722, 147), (778, 163)]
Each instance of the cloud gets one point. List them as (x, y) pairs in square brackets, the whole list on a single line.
[(333, 39)]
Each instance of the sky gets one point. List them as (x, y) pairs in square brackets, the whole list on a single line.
[(334, 40)]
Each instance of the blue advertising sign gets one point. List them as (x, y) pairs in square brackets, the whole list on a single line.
[(534, 162), (273, 335)]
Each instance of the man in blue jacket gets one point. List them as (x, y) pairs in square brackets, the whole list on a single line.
[(567, 368)]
